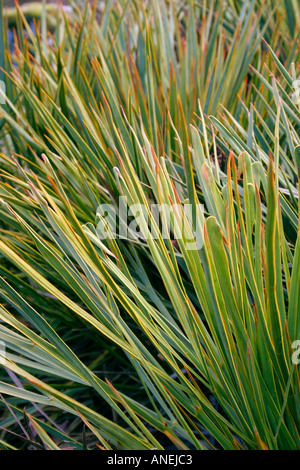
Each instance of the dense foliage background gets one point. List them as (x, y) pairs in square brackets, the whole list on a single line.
[(146, 344)]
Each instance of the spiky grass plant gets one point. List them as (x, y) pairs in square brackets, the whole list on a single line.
[(189, 347)]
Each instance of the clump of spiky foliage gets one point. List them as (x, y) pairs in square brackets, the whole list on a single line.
[(145, 343)]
